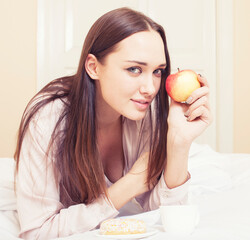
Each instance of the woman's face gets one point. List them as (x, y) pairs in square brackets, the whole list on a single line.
[(130, 77)]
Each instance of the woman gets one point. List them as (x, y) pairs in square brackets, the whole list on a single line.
[(93, 143)]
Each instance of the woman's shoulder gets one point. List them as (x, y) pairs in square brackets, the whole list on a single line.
[(50, 107), (48, 113), (48, 104)]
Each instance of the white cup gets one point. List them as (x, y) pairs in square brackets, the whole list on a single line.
[(179, 220)]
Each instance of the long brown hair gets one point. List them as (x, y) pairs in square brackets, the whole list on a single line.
[(77, 168)]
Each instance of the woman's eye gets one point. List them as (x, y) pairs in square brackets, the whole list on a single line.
[(158, 72), (135, 70)]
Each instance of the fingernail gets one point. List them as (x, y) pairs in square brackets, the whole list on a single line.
[(189, 100), (186, 114)]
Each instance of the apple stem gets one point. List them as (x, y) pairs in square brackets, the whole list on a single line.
[(178, 69)]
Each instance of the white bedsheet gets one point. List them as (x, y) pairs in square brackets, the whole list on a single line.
[(220, 186)]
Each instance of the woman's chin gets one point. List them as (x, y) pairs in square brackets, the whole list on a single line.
[(135, 116)]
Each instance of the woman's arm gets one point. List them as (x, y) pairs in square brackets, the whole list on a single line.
[(41, 214), (176, 172), (186, 122), (130, 185)]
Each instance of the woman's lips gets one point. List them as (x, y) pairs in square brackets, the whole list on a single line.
[(141, 104)]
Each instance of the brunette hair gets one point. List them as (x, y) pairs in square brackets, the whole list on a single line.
[(77, 168)]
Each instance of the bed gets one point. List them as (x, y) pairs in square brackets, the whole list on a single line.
[(220, 186)]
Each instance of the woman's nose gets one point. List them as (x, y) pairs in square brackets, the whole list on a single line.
[(147, 86)]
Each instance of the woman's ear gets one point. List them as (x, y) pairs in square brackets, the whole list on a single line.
[(91, 64)]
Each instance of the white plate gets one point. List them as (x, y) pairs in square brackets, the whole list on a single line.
[(150, 231)]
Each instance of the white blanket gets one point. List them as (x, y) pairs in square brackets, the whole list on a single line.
[(9, 225), (220, 186)]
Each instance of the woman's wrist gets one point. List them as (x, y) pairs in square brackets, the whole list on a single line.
[(176, 171), (122, 191), (176, 140)]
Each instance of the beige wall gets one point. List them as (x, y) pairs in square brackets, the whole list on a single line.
[(241, 76), (18, 70), (17, 66)]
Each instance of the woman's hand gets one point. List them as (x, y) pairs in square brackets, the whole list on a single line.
[(139, 172), (188, 120), (132, 184)]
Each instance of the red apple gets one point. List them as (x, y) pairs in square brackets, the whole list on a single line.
[(180, 85)]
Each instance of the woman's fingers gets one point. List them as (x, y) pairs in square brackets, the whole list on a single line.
[(201, 112), (203, 80), (198, 93), (203, 101)]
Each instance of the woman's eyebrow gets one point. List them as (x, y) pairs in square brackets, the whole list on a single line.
[(163, 65), (144, 63), (138, 62)]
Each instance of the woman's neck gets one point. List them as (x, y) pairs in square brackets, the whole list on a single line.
[(108, 125), (106, 117)]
